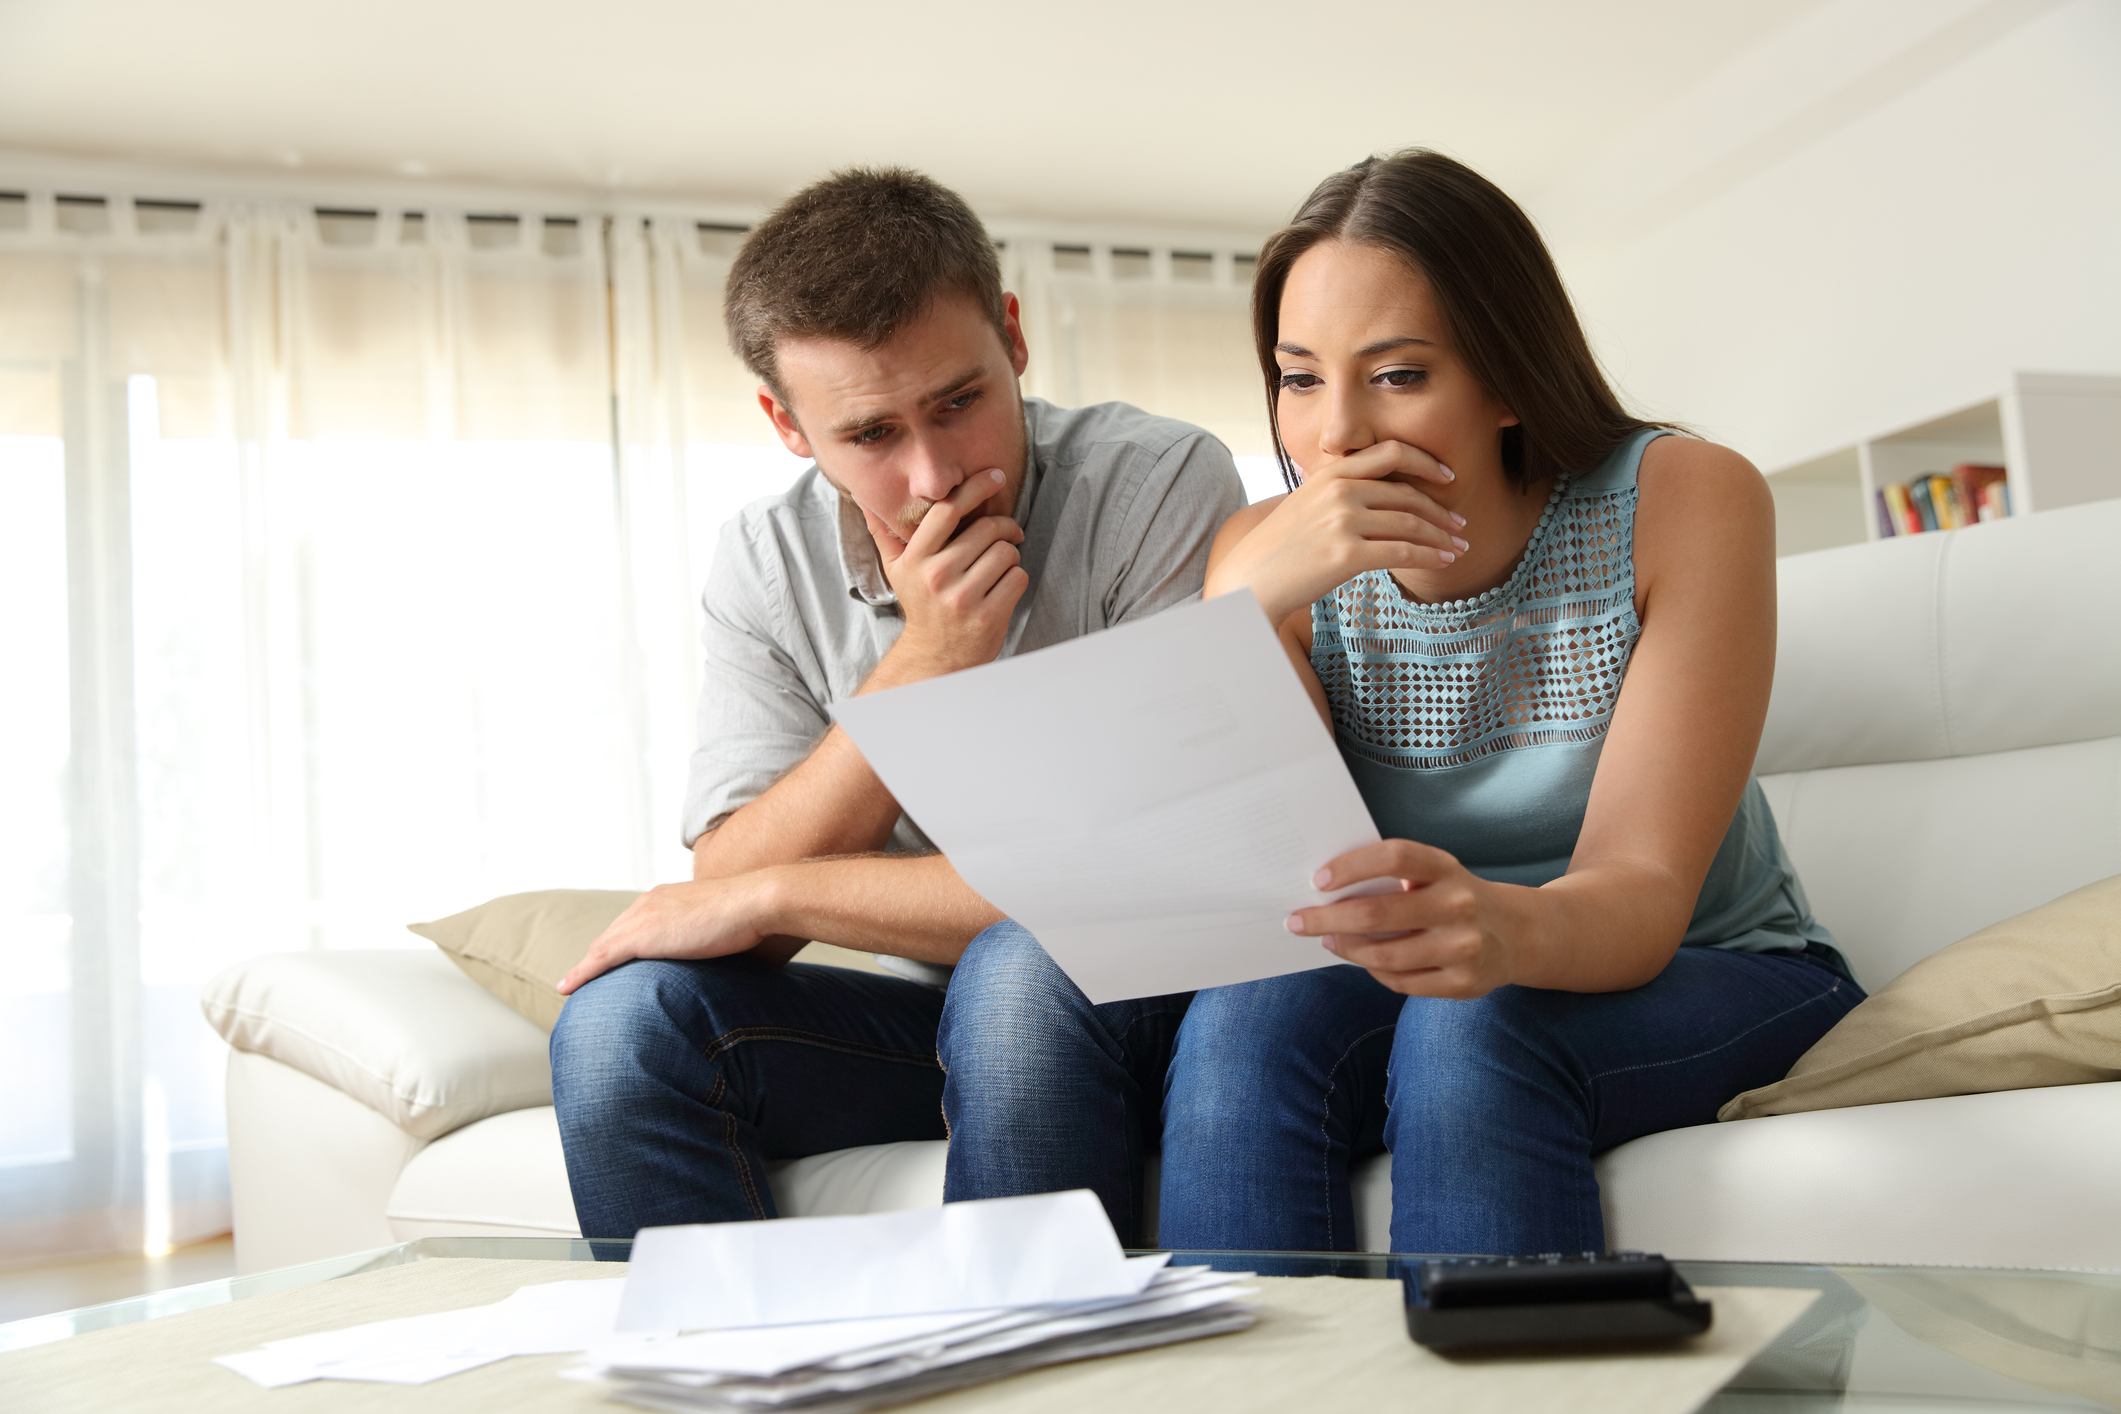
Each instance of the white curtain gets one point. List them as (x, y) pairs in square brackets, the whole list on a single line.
[(350, 562)]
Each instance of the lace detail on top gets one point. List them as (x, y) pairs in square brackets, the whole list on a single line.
[(1536, 660)]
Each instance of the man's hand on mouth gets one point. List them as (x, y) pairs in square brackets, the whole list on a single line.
[(958, 578)]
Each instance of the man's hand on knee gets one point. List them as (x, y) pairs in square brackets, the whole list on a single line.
[(699, 919)]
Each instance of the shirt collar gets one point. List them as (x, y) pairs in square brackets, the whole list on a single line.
[(859, 562)]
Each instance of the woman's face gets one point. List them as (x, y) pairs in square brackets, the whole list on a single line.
[(1366, 356)]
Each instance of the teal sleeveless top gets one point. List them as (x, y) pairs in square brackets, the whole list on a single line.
[(1475, 725)]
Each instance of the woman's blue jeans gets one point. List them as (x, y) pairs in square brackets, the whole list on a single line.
[(1262, 1095)]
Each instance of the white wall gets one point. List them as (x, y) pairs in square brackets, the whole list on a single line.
[(1891, 266)]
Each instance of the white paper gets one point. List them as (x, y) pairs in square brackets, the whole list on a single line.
[(766, 1351), (789, 1366), (1151, 801), (550, 1318), (1035, 1250)]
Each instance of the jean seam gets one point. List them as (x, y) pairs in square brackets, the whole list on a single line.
[(729, 1040), (1325, 1152), (736, 1154), (1727, 1042)]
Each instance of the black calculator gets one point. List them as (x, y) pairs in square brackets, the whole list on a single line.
[(1467, 1303)]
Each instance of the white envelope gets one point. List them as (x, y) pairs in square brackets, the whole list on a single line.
[(1029, 1251)]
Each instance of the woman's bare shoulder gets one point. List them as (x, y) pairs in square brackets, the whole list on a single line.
[(1681, 462), (1699, 504)]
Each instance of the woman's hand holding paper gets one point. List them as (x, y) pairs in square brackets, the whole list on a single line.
[(1442, 934)]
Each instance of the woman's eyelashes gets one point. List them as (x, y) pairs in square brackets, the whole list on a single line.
[(1297, 380)]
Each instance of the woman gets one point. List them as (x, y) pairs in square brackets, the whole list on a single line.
[(1543, 633)]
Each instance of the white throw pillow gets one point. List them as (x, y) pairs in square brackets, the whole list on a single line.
[(403, 1032)]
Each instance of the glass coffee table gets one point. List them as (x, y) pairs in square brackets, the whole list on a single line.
[(1909, 1340)]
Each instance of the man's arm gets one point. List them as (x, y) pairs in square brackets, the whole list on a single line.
[(904, 905), (956, 596)]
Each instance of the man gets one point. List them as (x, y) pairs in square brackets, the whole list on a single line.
[(947, 521)]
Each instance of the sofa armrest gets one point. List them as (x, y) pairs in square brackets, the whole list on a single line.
[(402, 1031)]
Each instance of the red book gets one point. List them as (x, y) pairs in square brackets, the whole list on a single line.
[(1972, 480)]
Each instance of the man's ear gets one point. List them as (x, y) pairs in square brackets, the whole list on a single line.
[(784, 425), (1013, 327)]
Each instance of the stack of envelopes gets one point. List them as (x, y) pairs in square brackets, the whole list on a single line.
[(838, 1367), (845, 1313)]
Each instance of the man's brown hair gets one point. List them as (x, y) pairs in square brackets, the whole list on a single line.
[(856, 257)]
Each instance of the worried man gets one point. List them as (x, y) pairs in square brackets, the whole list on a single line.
[(947, 521)]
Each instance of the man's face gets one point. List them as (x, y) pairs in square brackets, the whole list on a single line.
[(900, 427)]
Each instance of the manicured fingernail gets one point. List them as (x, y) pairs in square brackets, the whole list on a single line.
[(996, 473), (1446, 555), (1323, 879), (1448, 474), (1460, 543), (1296, 922), (1459, 518)]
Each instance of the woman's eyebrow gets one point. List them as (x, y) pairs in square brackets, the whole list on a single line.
[(1397, 341)]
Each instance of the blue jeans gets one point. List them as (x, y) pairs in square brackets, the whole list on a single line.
[(1498, 1105), (676, 1081), (1263, 1094), (1259, 1096)]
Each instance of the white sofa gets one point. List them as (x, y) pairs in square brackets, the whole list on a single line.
[(1943, 751)]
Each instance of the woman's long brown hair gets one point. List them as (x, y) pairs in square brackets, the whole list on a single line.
[(1497, 285)]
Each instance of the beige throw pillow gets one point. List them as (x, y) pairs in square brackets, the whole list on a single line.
[(520, 946), (2034, 1000)]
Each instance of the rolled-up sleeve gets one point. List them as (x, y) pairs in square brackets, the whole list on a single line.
[(758, 717)]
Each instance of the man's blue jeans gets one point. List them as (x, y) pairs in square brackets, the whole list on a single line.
[(1259, 1096), (676, 1081), (1263, 1094)]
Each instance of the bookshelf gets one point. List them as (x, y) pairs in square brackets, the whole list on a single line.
[(2058, 435)]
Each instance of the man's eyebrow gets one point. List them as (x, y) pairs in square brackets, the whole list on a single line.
[(950, 389), (956, 385), (856, 424)]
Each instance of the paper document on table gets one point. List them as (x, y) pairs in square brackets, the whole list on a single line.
[(1151, 801), (974, 1256), (845, 1367), (552, 1318)]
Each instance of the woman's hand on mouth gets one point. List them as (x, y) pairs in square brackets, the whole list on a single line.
[(1360, 512)]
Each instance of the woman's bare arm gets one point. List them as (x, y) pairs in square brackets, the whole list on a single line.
[(1295, 630), (1675, 763)]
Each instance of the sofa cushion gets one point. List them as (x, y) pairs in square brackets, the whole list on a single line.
[(518, 947), (504, 1176), (403, 1032), (2029, 1002), (2025, 1178)]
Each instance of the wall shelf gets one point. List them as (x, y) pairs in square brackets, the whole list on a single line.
[(2057, 434)]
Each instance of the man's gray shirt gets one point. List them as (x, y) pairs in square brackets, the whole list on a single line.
[(1118, 510)]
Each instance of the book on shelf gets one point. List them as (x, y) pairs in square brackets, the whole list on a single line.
[(1967, 495)]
